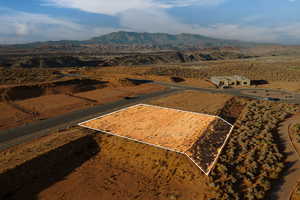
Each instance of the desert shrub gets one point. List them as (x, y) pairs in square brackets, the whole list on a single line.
[(252, 160), (297, 127), (18, 75), (258, 71)]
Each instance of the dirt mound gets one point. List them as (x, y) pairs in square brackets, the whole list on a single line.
[(104, 167), (46, 169), (59, 87)]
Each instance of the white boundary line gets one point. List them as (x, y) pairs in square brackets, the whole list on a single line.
[(220, 150), (158, 146)]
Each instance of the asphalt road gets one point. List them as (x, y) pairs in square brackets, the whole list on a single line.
[(34, 130), (28, 132), (38, 129), (236, 92)]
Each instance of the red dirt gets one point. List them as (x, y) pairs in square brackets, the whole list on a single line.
[(169, 128), (194, 101), (118, 169), (115, 93), (54, 105), (11, 117), (127, 170)]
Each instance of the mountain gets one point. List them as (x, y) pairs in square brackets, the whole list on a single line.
[(164, 39), (137, 41)]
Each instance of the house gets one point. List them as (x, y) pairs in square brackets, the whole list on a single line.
[(230, 81)]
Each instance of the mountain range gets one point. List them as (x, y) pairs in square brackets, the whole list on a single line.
[(161, 40)]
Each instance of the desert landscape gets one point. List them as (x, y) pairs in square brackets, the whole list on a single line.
[(160, 95)]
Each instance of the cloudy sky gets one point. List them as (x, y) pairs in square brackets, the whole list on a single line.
[(276, 21)]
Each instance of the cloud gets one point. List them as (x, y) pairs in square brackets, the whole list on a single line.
[(160, 21), (151, 21), (20, 27), (114, 7), (181, 3), (152, 16)]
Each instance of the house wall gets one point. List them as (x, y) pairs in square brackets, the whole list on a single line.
[(227, 81)]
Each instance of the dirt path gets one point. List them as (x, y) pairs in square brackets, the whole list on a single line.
[(285, 186), (293, 139)]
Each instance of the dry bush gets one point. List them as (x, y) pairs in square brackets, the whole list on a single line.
[(264, 69), (252, 159), (19, 75)]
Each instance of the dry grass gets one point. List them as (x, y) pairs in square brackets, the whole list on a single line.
[(21, 76), (267, 68)]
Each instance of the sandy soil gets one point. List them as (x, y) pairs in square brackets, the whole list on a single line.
[(113, 74), (202, 83), (54, 105), (118, 169), (18, 155), (283, 85), (269, 93), (290, 180), (113, 94), (167, 128), (11, 117), (194, 101), (127, 170), (296, 144)]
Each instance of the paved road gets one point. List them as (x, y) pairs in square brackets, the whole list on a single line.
[(25, 133), (34, 130), (21, 134), (236, 91)]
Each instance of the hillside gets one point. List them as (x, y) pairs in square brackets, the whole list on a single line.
[(163, 40), (136, 41)]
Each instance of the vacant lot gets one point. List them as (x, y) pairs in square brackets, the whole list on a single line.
[(115, 73), (194, 101), (168, 128)]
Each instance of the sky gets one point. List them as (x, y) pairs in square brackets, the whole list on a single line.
[(271, 21)]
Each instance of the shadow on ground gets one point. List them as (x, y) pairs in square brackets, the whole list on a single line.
[(259, 82), (139, 81), (32, 177)]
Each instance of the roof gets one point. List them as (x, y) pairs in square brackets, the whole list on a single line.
[(234, 77)]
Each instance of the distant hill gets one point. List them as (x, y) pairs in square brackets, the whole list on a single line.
[(164, 39), (157, 40)]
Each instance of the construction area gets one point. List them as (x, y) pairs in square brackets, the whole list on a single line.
[(230, 81), (200, 137)]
